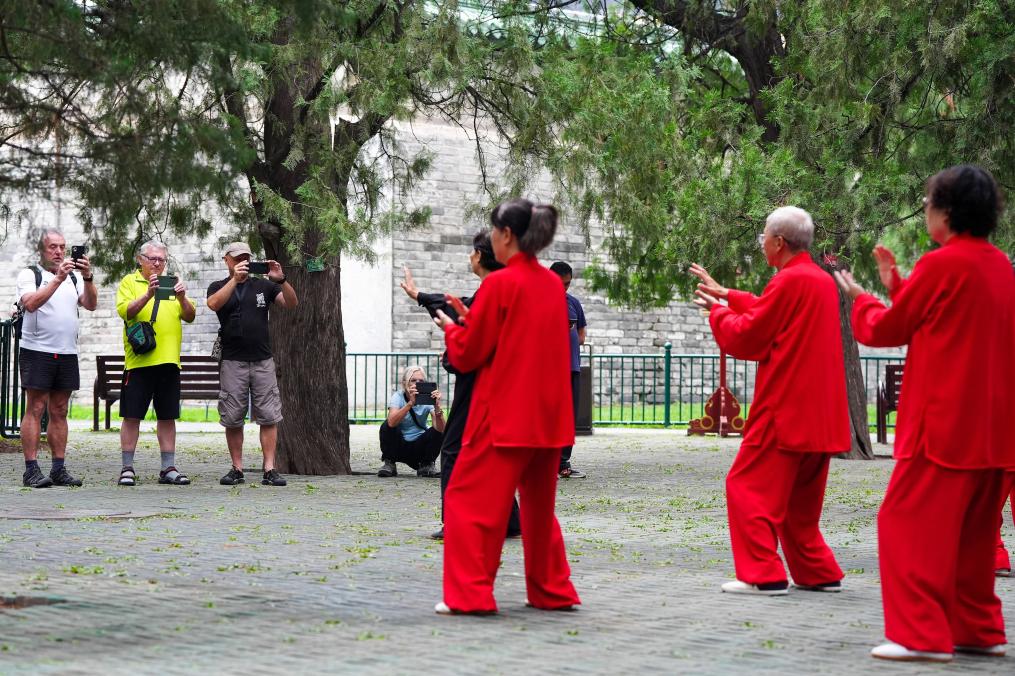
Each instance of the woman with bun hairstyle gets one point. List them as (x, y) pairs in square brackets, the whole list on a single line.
[(937, 527), (515, 337)]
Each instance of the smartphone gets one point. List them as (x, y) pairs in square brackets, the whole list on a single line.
[(78, 251), (166, 285), (258, 267), (424, 393)]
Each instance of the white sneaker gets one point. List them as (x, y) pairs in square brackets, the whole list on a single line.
[(738, 587), (987, 650), (1003, 572), (442, 609), (894, 651)]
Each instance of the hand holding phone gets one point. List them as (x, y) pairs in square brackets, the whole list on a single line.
[(167, 287)]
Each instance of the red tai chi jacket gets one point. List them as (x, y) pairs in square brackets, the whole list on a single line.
[(516, 338), (793, 331), (957, 314)]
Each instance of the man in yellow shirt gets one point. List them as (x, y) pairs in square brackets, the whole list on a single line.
[(153, 376)]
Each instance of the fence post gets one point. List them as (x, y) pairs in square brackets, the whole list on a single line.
[(666, 389)]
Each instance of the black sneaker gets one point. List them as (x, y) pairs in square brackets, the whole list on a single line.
[(569, 472), (273, 478), (34, 478), (430, 471), (387, 470), (439, 535), (233, 477), (62, 477)]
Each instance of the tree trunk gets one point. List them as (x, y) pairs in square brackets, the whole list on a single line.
[(856, 387), (309, 347)]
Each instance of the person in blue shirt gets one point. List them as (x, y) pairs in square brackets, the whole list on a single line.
[(405, 436), (577, 324)]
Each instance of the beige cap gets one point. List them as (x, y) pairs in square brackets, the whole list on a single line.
[(237, 249)]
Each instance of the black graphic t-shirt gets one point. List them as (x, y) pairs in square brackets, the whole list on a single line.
[(244, 319)]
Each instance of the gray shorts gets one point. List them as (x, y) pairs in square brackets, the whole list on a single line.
[(256, 378)]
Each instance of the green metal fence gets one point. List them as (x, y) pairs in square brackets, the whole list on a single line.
[(12, 399), (663, 389)]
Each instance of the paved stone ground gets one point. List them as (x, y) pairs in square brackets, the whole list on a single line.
[(337, 574)]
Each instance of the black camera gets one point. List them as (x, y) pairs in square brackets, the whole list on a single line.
[(258, 267)]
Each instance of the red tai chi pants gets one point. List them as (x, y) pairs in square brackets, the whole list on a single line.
[(937, 530), (1001, 559), (478, 502), (775, 497)]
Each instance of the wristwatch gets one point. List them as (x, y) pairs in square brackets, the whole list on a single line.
[(88, 279), (281, 281)]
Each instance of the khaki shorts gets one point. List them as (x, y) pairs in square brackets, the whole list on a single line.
[(237, 379)]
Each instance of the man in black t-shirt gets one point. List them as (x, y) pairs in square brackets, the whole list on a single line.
[(242, 303)]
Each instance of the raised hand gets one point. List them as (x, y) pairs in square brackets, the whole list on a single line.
[(887, 270), (847, 283), (458, 306), (704, 299), (275, 273), (409, 284), (708, 284)]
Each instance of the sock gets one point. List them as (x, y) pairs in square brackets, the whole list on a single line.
[(127, 457), (31, 465), (57, 465), (168, 460)]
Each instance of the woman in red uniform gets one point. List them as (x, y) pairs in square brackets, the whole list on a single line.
[(515, 336), (937, 528)]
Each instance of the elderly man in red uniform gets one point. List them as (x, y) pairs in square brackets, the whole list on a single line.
[(937, 528), (799, 417)]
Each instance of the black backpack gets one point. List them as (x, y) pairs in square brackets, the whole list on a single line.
[(18, 316)]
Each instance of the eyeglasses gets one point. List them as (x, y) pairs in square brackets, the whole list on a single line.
[(761, 238), (154, 260), (417, 380)]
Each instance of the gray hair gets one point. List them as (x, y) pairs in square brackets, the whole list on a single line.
[(144, 248), (45, 235), (794, 225), (407, 374)]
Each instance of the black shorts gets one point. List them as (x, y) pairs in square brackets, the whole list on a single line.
[(160, 383), (47, 371)]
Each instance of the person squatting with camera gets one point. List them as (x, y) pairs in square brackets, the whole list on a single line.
[(243, 304), (404, 435), (46, 313)]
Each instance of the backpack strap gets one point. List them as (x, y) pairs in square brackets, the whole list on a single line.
[(415, 419)]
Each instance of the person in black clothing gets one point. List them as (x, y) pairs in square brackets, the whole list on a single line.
[(247, 372), (482, 263)]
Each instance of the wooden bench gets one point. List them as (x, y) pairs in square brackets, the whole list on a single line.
[(199, 380), (888, 398)]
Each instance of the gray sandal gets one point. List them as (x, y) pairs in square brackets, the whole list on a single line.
[(127, 477)]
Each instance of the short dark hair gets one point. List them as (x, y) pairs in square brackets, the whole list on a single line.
[(971, 197), (562, 269), (533, 224), (481, 243)]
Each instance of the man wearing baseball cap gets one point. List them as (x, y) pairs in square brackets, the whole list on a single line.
[(242, 303)]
